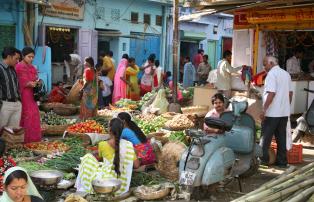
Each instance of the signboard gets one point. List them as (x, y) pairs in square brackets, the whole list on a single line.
[(70, 9), (283, 15)]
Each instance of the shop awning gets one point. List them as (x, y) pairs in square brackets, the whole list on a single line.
[(192, 36)]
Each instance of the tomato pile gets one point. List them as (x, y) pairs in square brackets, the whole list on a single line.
[(89, 126), (47, 146)]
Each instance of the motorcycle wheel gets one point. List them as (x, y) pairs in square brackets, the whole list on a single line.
[(296, 135), (252, 170)]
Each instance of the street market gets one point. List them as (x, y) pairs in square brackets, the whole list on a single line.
[(106, 108)]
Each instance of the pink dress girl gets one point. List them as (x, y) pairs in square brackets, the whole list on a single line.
[(30, 119)]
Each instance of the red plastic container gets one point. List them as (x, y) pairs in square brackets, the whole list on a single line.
[(294, 155)]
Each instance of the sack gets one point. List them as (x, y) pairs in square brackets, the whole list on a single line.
[(40, 91), (13, 135), (74, 95)]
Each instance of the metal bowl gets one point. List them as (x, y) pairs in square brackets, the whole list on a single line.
[(46, 177), (106, 186)]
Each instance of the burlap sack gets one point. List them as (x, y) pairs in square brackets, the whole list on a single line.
[(74, 96)]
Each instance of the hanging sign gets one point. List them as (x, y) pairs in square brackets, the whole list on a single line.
[(281, 15), (70, 9)]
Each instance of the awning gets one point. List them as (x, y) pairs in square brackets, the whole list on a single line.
[(192, 36)]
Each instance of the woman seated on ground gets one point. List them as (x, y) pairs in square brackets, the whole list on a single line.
[(218, 102), (18, 187), (134, 134), (57, 94), (118, 156)]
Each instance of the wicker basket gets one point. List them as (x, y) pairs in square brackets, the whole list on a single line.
[(154, 195), (158, 136), (65, 110), (13, 137), (51, 130), (172, 175)]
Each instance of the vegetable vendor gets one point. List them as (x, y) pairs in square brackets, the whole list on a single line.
[(134, 134), (119, 159), (218, 100)]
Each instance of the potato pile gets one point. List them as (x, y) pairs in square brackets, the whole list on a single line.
[(179, 122)]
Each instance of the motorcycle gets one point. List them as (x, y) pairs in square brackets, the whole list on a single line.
[(305, 123), (212, 158)]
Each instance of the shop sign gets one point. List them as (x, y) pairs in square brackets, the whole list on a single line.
[(283, 15), (70, 9)]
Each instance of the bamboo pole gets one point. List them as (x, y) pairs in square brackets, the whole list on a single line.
[(287, 172), (175, 44), (288, 197), (290, 190), (304, 194), (285, 176), (311, 199), (270, 190)]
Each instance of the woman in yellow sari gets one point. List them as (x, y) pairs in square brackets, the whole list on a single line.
[(133, 90)]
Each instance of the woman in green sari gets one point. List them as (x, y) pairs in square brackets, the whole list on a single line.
[(89, 90)]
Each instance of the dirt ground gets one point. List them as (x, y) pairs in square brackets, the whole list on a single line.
[(232, 190)]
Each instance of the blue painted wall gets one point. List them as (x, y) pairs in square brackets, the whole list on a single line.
[(11, 13)]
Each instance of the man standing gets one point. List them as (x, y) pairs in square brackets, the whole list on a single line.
[(10, 105), (293, 65), (74, 67), (189, 73), (197, 60), (276, 109), (108, 66), (203, 70), (224, 71)]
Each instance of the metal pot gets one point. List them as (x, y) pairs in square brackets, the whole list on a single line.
[(106, 186), (46, 177)]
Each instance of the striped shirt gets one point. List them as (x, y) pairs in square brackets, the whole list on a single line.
[(8, 83)]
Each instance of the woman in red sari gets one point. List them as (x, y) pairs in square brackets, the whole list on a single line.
[(28, 79)]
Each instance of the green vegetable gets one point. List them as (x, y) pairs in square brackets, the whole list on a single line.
[(178, 136), (31, 166), (142, 178), (51, 118), (152, 125), (69, 176)]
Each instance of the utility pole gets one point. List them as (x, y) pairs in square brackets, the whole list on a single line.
[(175, 107)]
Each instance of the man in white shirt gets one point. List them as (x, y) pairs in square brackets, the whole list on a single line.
[(293, 64), (74, 67), (276, 109), (224, 71)]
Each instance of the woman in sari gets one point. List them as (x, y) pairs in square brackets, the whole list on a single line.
[(18, 187), (133, 91), (28, 79), (120, 85), (89, 91), (147, 78), (118, 161)]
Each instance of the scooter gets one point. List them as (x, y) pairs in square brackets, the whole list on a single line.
[(210, 159), (305, 123)]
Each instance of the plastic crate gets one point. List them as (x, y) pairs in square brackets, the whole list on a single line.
[(294, 155)]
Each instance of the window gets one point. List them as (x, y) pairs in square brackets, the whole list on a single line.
[(158, 20), (134, 17), (147, 19), (115, 14)]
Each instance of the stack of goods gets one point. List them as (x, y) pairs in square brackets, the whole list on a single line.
[(147, 99), (53, 124), (292, 185), (106, 113), (127, 103), (179, 122)]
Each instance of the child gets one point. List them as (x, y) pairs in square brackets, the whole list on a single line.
[(105, 86)]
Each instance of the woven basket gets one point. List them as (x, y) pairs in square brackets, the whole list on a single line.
[(158, 136), (51, 130), (12, 136), (169, 174), (151, 196), (65, 110)]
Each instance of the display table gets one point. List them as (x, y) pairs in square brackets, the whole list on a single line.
[(203, 95)]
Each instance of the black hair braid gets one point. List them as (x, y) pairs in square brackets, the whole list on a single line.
[(138, 132), (116, 126)]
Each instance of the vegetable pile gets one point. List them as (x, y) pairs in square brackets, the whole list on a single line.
[(70, 159), (126, 103), (47, 146), (147, 97), (143, 178), (89, 126), (51, 118), (151, 125), (31, 166), (101, 120), (19, 153), (178, 136)]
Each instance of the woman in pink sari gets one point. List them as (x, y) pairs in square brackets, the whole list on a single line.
[(28, 79), (120, 85)]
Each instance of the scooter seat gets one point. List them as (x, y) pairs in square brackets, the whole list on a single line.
[(218, 123)]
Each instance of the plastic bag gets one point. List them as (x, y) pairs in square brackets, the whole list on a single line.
[(161, 102)]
